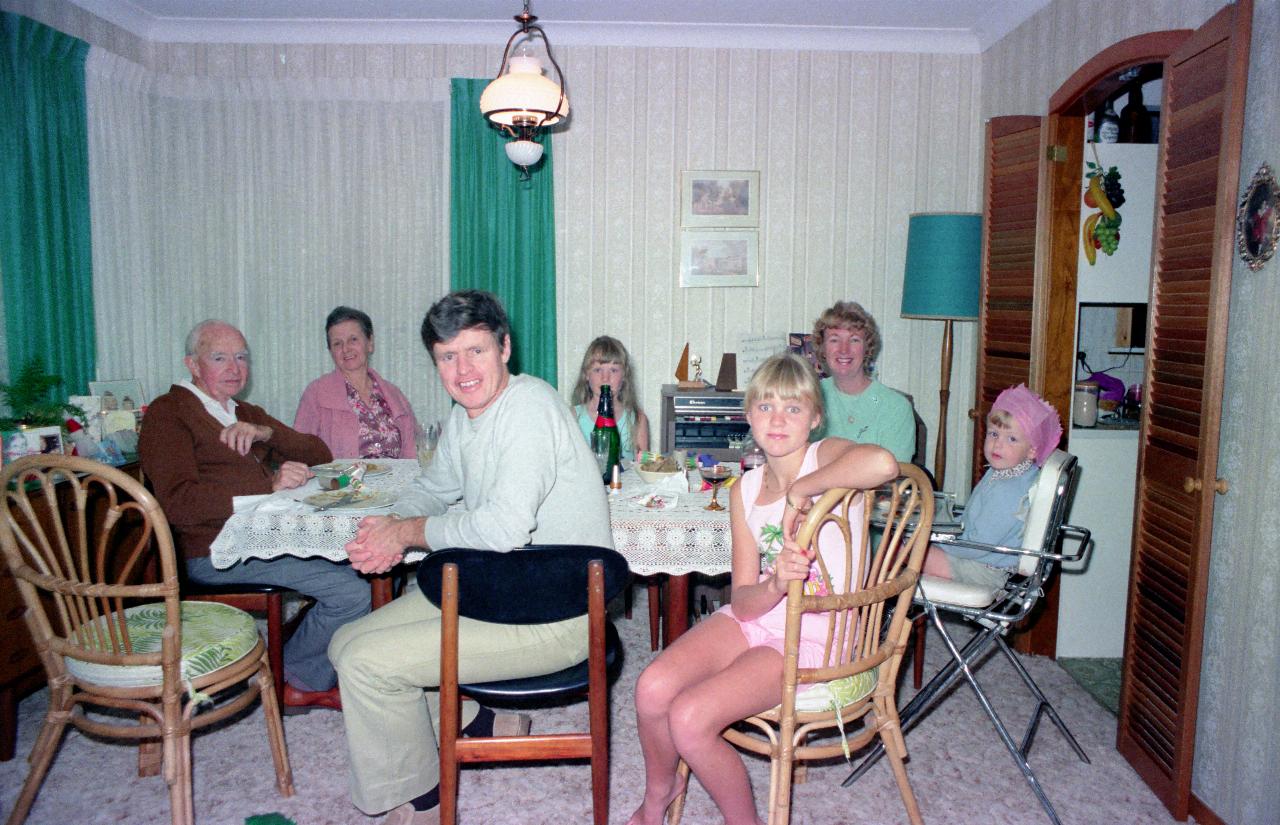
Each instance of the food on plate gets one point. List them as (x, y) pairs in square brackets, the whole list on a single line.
[(661, 464)]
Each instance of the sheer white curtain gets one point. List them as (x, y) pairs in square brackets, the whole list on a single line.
[(267, 203)]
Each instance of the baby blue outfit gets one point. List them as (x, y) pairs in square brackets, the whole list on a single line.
[(995, 514)]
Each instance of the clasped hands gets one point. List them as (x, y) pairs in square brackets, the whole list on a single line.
[(380, 542)]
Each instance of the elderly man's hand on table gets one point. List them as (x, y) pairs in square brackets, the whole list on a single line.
[(291, 474), (241, 435), (380, 542)]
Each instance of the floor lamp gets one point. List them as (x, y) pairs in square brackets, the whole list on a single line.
[(942, 284)]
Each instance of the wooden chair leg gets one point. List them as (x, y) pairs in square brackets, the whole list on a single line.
[(275, 732), (675, 811), (150, 754), (655, 611), (8, 722), (275, 642), (919, 627), (55, 723), (628, 597)]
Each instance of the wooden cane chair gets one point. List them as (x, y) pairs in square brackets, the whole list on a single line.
[(537, 584), (859, 676), (77, 536)]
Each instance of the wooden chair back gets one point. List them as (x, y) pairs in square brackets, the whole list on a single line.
[(887, 569), (80, 538)]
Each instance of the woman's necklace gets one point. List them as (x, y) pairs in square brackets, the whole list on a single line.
[(1012, 472), (774, 484)]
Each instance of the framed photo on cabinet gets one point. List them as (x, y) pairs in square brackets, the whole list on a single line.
[(719, 258), (721, 199)]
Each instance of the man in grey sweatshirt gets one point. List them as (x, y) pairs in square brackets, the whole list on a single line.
[(512, 454)]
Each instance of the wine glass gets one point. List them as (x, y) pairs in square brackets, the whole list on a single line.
[(715, 475), (600, 449)]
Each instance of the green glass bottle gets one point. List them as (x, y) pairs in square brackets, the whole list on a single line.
[(606, 431)]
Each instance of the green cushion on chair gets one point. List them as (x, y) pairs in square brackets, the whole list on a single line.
[(213, 636), (838, 693)]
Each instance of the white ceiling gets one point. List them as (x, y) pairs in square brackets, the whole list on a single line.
[(936, 26)]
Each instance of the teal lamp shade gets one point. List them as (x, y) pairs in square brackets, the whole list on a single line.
[(943, 263)]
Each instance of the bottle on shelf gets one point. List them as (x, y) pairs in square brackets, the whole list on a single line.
[(607, 428), (1135, 120), (1108, 124)]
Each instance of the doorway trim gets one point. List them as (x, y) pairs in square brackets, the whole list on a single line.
[(1053, 318)]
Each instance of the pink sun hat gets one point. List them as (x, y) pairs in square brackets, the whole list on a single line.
[(1037, 418)]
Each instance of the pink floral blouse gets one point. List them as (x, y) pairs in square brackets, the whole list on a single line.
[(379, 436)]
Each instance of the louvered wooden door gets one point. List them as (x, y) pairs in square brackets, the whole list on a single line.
[(1197, 176), (1008, 263)]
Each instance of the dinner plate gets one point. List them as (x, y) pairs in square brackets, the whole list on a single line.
[(364, 500), (334, 469)]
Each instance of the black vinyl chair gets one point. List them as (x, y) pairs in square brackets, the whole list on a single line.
[(538, 584)]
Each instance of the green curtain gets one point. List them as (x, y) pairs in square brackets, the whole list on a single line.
[(45, 247), (502, 232)]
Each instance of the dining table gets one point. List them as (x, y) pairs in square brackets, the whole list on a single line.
[(284, 524), (677, 538)]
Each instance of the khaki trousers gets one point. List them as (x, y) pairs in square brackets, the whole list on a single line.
[(388, 664)]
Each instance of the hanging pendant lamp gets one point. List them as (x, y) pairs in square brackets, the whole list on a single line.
[(521, 100)]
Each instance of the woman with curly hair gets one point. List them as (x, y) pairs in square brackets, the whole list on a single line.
[(858, 407)]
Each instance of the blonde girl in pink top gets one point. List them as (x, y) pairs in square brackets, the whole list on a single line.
[(730, 665)]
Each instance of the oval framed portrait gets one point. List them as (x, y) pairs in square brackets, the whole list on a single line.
[(1258, 219)]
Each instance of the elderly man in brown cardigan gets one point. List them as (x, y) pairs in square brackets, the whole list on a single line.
[(200, 448)]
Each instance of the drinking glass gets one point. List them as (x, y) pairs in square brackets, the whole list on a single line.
[(426, 439), (600, 449), (715, 475)]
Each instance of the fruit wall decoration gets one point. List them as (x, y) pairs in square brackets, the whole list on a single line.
[(1101, 229)]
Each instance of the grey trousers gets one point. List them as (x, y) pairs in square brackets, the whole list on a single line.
[(385, 661), (341, 597)]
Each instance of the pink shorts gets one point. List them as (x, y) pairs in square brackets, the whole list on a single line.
[(759, 634)]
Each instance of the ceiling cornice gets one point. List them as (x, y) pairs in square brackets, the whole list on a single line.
[(155, 29)]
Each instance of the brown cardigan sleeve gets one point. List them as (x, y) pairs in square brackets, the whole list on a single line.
[(195, 475), (286, 443)]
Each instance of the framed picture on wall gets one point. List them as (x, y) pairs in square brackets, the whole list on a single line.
[(1258, 219), (717, 258), (719, 199), (121, 394)]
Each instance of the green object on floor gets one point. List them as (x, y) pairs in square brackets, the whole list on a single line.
[(1099, 677), (269, 819)]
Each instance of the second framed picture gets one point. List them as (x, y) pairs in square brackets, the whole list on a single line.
[(720, 199), (719, 258)]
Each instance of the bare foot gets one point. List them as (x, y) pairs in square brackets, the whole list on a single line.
[(654, 811)]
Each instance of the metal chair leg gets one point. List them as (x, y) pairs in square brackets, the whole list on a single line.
[(960, 665), (1043, 706), (923, 701)]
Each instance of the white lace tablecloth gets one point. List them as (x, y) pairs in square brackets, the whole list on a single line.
[(684, 539), (282, 525)]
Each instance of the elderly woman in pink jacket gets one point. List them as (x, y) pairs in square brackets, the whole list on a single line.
[(353, 410)]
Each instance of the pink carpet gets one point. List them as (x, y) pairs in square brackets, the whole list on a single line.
[(960, 771)]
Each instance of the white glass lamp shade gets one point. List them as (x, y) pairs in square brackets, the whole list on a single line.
[(524, 152), (523, 94)]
